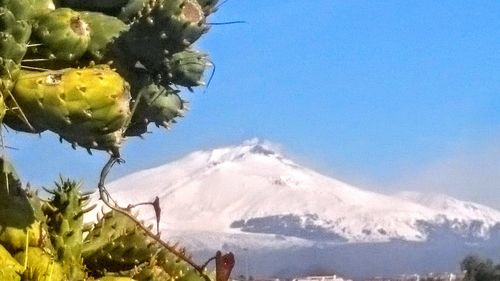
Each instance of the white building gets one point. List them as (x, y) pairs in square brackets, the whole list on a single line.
[(321, 278)]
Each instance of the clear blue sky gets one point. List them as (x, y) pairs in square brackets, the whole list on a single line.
[(387, 95)]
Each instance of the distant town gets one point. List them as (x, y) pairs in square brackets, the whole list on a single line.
[(446, 276)]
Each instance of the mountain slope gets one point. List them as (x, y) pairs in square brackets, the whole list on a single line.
[(252, 196)]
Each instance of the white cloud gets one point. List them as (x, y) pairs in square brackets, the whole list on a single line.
[(471, 172)]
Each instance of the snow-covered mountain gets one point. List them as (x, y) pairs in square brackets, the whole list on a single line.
[(251, 196)]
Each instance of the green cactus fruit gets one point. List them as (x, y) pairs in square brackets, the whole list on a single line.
[(8, 265), (63, 33), (184, 19), (28, 9), (158, 105), (9, 70), (105, 29), (78, 104), (116, 244), (65, 212), (133, 9), (13, 37), (19, 29), (41, 266), (169, 27), (187, 68), (18, 224), (10, 49), (208, 6)]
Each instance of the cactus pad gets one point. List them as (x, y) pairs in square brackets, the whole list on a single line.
[(157, 105), (187, 68), (18, 223), (79, 104), (105, 29), (41, 266), (169, 27), (28, 9)]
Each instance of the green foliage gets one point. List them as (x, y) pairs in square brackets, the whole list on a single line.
[(479, 269), (48, 241)]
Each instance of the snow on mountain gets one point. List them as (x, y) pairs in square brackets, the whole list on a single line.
[(456, 212), (451, 207), (252, 194)]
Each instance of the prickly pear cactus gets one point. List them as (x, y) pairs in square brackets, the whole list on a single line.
[(53, 83), (81, 105), (47, 240), (64, 213), (14, 35), (105, 29), (157, 104), (28, 9), (10, 269), (96, 73), (116, 244), (63, 34), (41, 266), (208, 6), (187, 68), (20, 221)]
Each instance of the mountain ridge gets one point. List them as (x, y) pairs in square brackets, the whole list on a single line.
[(252, 189)]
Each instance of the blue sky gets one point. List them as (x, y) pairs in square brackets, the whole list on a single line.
[(386, 95)]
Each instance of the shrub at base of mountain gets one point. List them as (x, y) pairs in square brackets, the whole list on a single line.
[(480, 269)]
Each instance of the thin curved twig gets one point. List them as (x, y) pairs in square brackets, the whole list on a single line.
[(105, 197)]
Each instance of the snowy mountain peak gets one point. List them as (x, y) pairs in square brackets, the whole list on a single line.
[(250, 147), (253, 193)]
